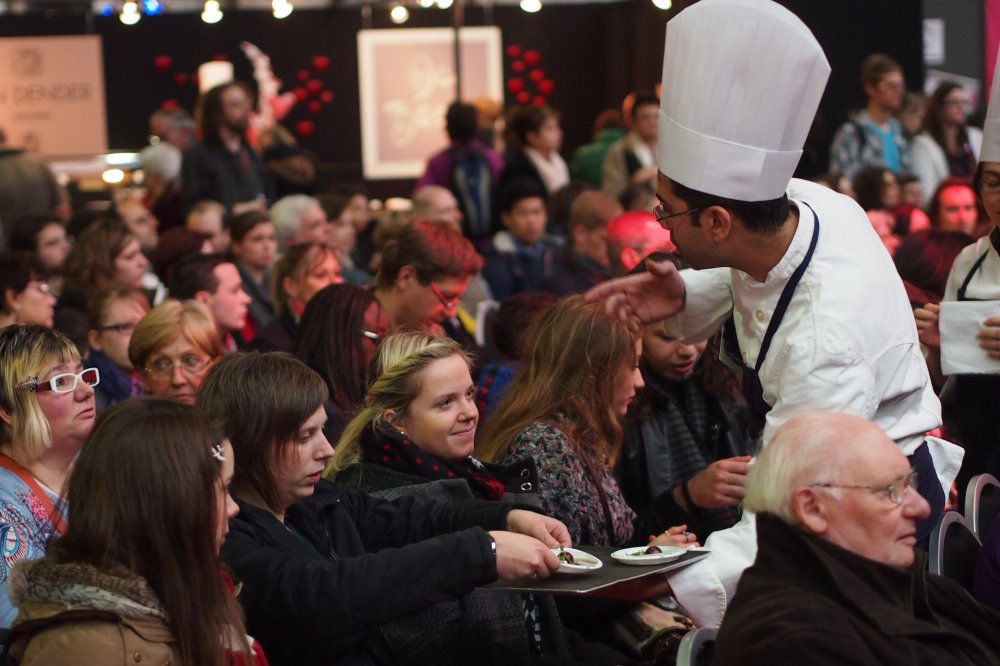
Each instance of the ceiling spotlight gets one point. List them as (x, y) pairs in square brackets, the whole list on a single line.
[(399, 14), (281, 8), (113, 176), (130, 13), (663, 4), (152, 7), (531, 6), (445, 4), (212, 13), (426, 4)]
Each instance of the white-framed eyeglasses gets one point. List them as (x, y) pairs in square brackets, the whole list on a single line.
[(64, 383), (895, 490)]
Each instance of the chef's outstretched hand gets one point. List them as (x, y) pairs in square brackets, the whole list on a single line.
[(645, 298)]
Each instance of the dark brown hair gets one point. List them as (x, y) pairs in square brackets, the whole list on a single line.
[(209, 111), (143, 495), (261, 400), (573, 359), (435, 251), (875, 67), (91, 262)]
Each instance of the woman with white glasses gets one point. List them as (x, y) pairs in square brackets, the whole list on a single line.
[(46, 411)]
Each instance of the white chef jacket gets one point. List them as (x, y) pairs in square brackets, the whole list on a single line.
[(985, 284), (848, 342)]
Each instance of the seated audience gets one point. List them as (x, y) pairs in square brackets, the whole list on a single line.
[(425, 270), (112, 315), (339, 334), (686, 441), (632, 237), (46, 412), (347, 210), (585, 260), (172, 348), (208, 218), (44, 236), (136, 577), (299, 218), (924, 260), (534, 139), (433, 203), (174, 245), (631, 160), (130, 209), (953, 206), (161, 167), (877, 190), (587, 162), (214, 282), (575, 436), (253, 248), (27, 297), (105, 255), (295, 278), (510, 325), (836, 579), (948, 146), (327, 570), (521, 258)]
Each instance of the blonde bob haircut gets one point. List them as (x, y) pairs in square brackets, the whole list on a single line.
[(169, 321), (396, 371), (25, 351)]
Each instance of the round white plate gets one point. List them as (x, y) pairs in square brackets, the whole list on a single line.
[(582, 562), (636, 557)]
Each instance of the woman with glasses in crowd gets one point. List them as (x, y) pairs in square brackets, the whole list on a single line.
[(172, 348), (112, 315), (947, 147), (25, 295), (47, 410), (136, 577)]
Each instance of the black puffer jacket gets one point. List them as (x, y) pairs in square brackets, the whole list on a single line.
[(319, 594)]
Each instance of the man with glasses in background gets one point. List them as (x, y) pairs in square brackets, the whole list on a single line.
[(810, 305), (425, 270), (837, 580), (873, 136)]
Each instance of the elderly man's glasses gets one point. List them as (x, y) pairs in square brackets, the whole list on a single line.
[(448, 303), (64, 383), (190, 364), (896, 490), (661, 215)]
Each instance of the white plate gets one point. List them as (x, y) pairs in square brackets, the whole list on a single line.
[(635, 556), (582, 562)]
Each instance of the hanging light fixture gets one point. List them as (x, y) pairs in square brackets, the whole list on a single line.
[(399, 14), (445, 4), (426, 4), (212, 13), (281, 8), (531, 6), (130, 13), (663, 4)]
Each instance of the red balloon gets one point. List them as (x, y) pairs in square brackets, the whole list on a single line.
[(304, 128), (162, 63), (301, 94), (523, 97), (515, 85), (532, 58), (302, 75), (326, 96), (181, 78), (517, 65), (538, 101), (546, 87), (314, 85), (537, 75), (320, 63), (169, 104), (314, 107), (513, 51)]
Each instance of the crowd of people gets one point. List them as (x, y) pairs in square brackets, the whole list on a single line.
[(248, 422)]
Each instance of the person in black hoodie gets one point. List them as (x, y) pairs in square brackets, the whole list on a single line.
[(325, 568)]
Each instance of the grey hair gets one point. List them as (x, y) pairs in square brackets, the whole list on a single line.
[(163, 159), (804, 450), (286, 215)]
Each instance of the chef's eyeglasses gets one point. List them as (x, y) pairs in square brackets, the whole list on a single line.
[(661, 215)]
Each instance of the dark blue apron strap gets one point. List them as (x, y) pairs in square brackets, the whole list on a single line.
[(970, 274), (929, 487)]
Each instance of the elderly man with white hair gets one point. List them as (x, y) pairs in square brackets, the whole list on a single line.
[(299, 218), (836, 579)]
